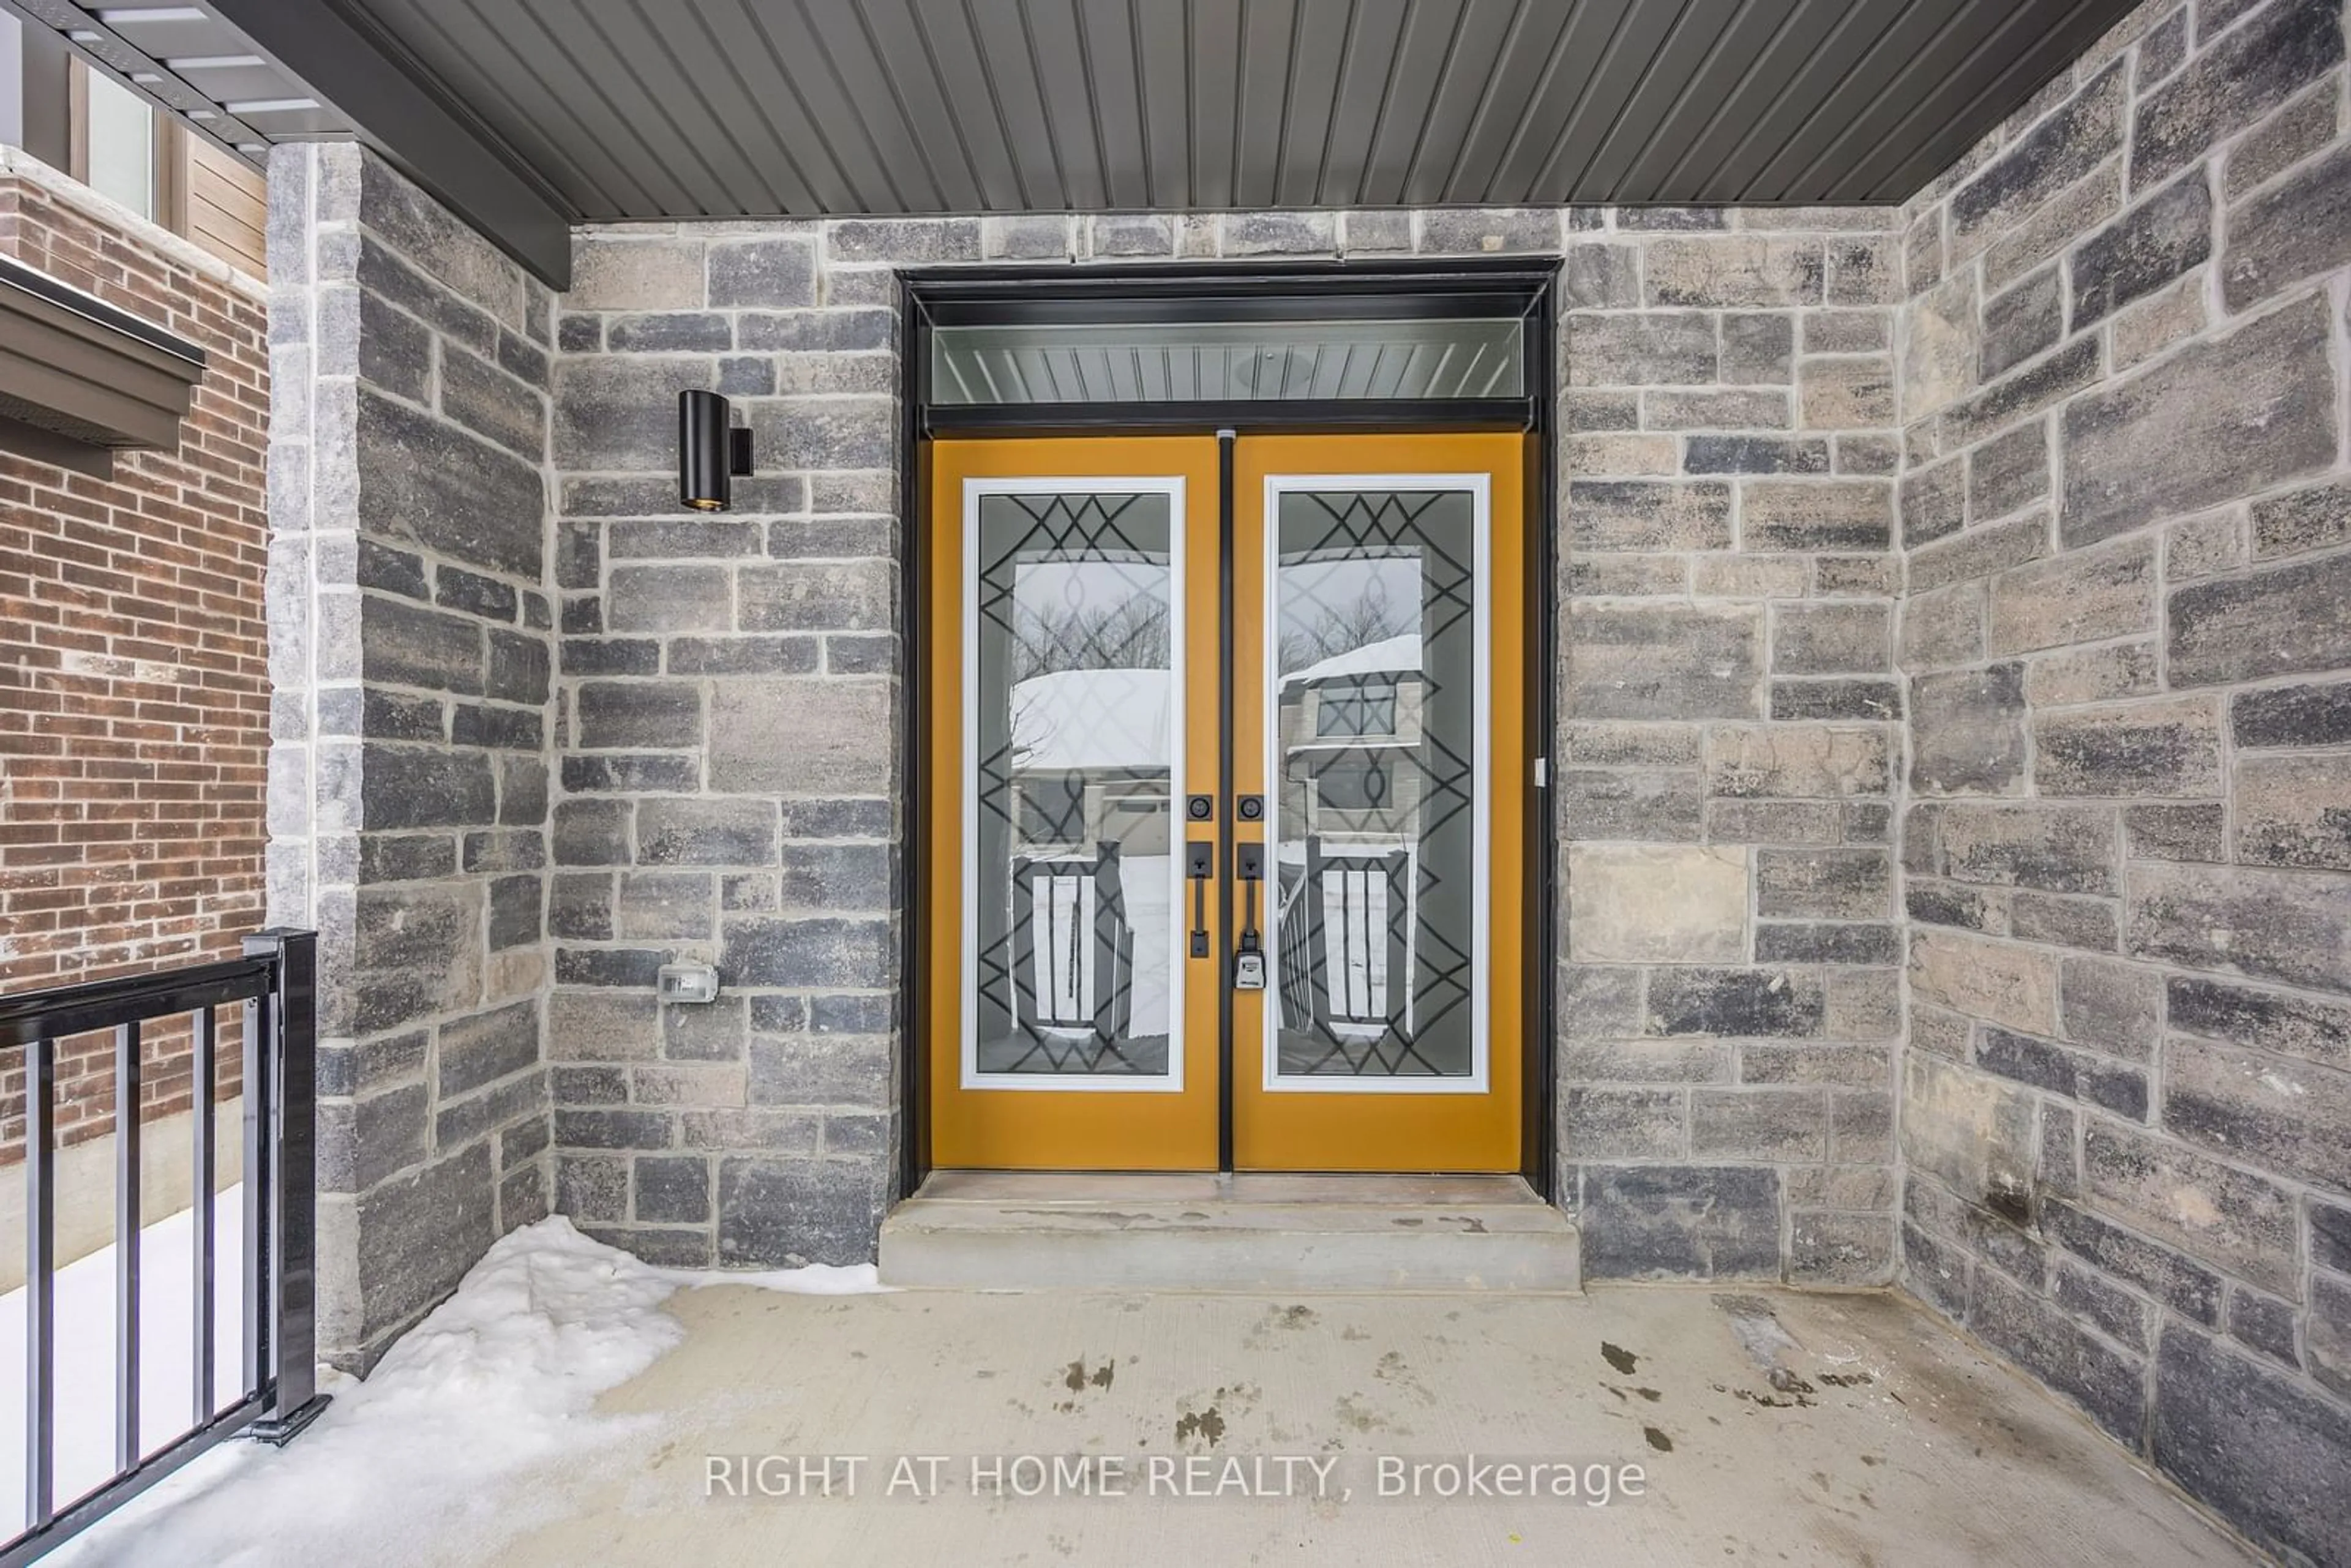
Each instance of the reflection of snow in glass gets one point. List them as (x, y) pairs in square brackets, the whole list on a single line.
[(1330, 608), (1079, 719)]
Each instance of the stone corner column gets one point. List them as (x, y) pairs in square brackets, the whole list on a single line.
[(411, 654)]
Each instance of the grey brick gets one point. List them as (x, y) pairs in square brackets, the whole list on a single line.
[(428, 483), (1716, 1222), (2161, 749), (2224, 417), (2261, 1448), (706, 833), (2045, 159), (2109, 1386), (1596, 804), (414, 787), (1667, 347), (2316, 518), (2009, 472), (2282, 1115), (621, 713), (1757, 349), (2026, 320), (1967, 731), (1755, 454), (672, 1189), (1663, 661), (1622, 1123), (1763, 1123), (2242, 1223), (669, 598), (2281, 621), (2056, 849), (2291, 1025), (663, 906), (2111, 1007), (807, 953), (780, 1213), (1824, 514), (1762, 1003), (2143, 249), (1823, 884), (763, 272), (2081, 596), (2229, 85), (1633, 515)]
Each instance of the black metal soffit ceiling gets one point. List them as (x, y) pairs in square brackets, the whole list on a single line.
[(529, 114)]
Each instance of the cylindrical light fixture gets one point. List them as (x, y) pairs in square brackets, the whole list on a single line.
[(710, 451)]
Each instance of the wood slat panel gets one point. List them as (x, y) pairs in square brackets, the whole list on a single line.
[(228, 207)]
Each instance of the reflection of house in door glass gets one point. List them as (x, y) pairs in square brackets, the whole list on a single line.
[(1076, 708), (1374, 700)]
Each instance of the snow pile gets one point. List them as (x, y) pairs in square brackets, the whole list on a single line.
[(501, 1377)]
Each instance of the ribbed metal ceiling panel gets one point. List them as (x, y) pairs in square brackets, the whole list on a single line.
[(730, 107)]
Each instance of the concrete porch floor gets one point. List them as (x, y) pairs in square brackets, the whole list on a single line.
[(1771, 1427)]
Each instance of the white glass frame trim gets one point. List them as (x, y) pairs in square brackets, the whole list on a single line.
[(967, 993), (1480, 490)]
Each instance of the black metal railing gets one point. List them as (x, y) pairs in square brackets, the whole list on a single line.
[(274, 984)]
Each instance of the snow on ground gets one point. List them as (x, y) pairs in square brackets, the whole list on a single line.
[(501, 1377)]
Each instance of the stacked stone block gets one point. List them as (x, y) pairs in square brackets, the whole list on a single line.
[(729, 792), (2125, 508), (411, 646), (730, 787), (1726, 765)]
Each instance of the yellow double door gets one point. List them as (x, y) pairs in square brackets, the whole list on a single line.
[(1224, 819)]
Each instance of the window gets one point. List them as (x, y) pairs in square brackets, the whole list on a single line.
[(122, 144), (1357, 784), (1254, 361), (1365, 707)]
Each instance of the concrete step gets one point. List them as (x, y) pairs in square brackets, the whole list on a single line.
[(998, 1230)]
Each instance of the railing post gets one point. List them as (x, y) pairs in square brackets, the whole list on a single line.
[(291, 1140)]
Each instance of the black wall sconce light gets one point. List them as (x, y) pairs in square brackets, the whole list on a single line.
[(711, 450)]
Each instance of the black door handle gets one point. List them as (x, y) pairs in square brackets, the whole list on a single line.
[(1199, 866)]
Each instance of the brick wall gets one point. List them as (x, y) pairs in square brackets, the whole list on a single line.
[(2125, 505), (134, 703), (410, 652), (731, 686)]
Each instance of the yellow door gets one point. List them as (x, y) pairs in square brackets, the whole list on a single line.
[(1381, 717), (1073, 707), (1083, 990)]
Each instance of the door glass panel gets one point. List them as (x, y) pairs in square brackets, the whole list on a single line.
[(1378, 830), (1073, 708), (1246, 361)]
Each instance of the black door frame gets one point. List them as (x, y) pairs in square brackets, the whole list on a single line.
[(1225, 291)]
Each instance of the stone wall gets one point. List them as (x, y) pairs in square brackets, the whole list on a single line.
[(2125, 509), (410, 648), (731, 784), (1725, 775)]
